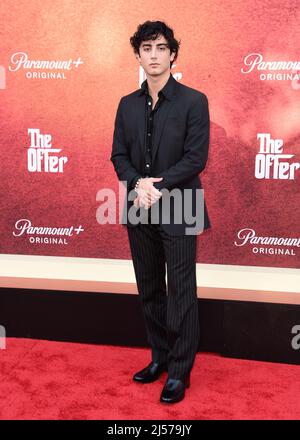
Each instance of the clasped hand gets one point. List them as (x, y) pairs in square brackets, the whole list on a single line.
[(147, 193)]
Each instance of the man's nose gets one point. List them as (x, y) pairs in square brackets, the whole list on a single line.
[(153, 52)]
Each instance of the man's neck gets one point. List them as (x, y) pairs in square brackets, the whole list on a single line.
[(156, 83)]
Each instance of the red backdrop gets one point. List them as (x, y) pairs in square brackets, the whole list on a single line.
[(77, 106)]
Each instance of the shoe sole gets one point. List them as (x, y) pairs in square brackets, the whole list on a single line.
[(148, 380), (179, 399), (145, 381)]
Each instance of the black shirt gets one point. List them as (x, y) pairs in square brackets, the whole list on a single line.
[(151, 115)]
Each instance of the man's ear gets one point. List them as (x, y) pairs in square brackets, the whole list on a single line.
[(137, 56)]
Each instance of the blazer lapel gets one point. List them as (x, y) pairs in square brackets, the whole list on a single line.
[(141, 121)]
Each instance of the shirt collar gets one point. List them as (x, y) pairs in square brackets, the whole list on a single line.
[(167, 90)]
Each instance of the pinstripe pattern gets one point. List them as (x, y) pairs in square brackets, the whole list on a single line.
[(170, 312)]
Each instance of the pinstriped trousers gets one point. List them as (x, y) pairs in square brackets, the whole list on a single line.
[(170, 309)]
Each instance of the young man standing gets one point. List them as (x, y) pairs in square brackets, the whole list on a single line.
[(160, 143)]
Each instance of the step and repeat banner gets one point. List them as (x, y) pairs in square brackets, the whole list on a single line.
[(65, 64)]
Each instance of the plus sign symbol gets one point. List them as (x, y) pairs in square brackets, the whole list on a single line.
[(79, 229), (77, 62)]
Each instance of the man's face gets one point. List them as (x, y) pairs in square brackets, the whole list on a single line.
[(155, 56)]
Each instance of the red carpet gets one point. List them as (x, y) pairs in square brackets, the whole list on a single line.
[(52, 380)]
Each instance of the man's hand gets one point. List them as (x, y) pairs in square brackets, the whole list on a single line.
[(147, 193), (139, 204)]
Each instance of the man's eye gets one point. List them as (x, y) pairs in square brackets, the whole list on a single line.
[(162, 48)]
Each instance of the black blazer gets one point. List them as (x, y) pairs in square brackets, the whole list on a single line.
[(179, 150)]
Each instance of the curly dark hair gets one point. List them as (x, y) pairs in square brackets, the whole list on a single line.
[(150, 30)]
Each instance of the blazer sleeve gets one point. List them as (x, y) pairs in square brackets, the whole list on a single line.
[(119, 156), (196, 146)]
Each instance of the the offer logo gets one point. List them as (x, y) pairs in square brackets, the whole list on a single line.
[(271, 162), (41, 156)]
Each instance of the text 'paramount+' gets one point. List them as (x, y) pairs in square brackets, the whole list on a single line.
[(42, 69)]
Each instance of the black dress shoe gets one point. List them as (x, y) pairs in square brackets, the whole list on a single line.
[(150, 373), (174, 390)]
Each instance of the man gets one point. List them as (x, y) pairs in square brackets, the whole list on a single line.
[(160, 143)]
